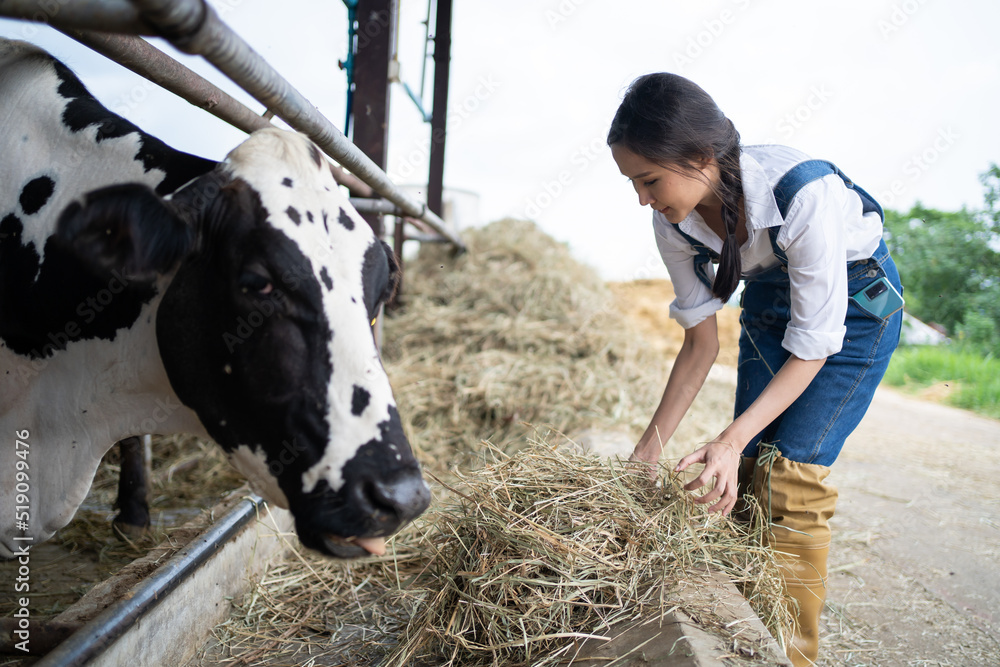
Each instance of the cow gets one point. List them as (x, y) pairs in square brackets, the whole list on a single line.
[(144, 289)]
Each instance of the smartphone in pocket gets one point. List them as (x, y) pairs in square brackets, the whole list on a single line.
[(879, 298)]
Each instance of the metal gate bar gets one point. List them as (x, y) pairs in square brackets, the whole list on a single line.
[(193, 27), (138, 55)]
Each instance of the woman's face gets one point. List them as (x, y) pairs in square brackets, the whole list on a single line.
[(674, 192)]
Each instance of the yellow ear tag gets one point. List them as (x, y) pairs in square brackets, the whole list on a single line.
[(374, 320)]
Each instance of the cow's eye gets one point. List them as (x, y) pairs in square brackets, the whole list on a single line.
[(255, 281)]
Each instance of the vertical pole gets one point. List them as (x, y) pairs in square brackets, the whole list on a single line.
[(370, 104), (439, 114)]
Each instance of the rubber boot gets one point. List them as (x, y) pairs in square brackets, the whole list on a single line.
[(800, 506)]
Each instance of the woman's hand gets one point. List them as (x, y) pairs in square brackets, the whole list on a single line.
[(646, 456), (722, 462)]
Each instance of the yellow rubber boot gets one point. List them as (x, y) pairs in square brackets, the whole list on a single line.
[(800, 506)]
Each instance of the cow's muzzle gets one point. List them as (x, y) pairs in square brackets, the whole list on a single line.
[(369, 509)]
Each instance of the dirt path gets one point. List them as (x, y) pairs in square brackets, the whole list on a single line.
[(915, 564)]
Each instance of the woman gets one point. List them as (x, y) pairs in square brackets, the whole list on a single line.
[(813, 346)]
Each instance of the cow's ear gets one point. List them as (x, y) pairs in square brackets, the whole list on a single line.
[(125, 227), (395, 273)]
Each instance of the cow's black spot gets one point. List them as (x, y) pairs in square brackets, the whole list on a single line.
[(345, 220), (309, 216), (287, 182), (359, 401), (82, 111), (70, 86), (325, 225), (327, 280), (293, 213), (36, 194)]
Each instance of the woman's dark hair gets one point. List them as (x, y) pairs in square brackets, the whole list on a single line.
[(671, 121)]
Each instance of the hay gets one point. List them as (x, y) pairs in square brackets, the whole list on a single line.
[(528, 547), (516, 331), (548, 546), (531, 553)]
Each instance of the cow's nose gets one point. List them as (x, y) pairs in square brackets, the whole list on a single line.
[(395, 499)]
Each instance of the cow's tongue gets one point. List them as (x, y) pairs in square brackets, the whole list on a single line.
[(373, 545)]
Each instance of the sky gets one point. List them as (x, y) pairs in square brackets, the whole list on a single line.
[(902, 95)]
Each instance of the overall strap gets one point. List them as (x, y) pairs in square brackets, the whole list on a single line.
[(784, 192), (801, 175), (702, 259)]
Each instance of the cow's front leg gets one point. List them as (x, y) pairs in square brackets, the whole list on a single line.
[(133, 491)]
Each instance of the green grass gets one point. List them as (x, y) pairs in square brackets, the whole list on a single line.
[(977, 378)]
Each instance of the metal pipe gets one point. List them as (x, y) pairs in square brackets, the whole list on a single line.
[(105, 628), (439, 107), (362, 205), (106, 15), (141, 57), (194, 27)]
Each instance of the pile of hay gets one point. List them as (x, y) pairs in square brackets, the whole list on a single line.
[(546, 547), (515, 333), (530, 554)]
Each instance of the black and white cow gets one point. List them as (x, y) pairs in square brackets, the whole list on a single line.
[(143, 289)]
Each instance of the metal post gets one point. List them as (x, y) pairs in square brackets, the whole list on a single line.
[(439, 115), (370, 104)]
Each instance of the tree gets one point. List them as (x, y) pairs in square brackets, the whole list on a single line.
[(950, 265)]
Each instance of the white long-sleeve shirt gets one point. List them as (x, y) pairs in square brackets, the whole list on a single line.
[(823, 231)]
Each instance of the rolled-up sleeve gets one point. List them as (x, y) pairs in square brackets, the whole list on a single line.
[(813, 239), (693, 301)]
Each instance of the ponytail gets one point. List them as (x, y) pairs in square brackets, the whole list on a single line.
[(727, 276)]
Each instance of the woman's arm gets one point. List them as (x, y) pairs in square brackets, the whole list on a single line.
[(721, 456), (695, 359)]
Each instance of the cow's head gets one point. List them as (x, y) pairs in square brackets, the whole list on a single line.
[(265, 330)]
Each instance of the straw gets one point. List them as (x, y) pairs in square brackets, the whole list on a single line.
[(528, 555)]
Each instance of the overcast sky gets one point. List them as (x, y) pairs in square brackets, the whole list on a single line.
[(902, 94)]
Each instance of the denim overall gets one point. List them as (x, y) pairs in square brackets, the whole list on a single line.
[(813, 428)]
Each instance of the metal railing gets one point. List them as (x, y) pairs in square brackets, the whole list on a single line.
[(193, 26)]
